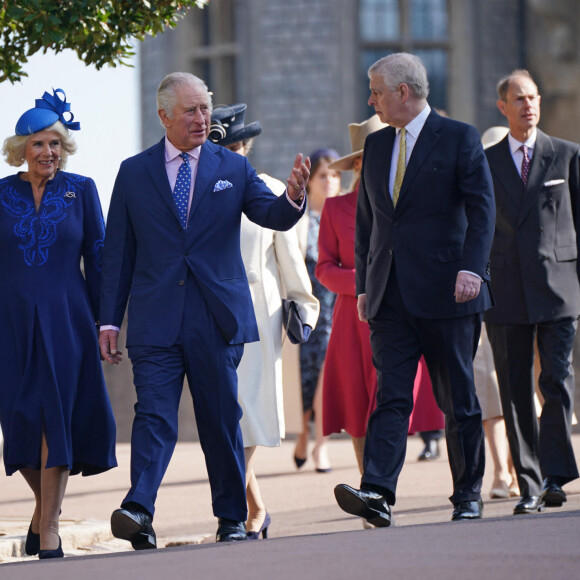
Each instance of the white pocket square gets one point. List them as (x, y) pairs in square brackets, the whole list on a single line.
[(221, 185), (553, 182)]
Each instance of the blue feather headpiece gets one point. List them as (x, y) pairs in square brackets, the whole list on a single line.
[(47, 111)]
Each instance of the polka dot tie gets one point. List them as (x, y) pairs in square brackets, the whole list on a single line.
[(181, 189), (525, 165)]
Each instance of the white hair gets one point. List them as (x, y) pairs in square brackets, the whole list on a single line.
[(402, 68), (166, 98)]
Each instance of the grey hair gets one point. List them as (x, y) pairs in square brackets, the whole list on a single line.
[(248, 145), (402, 68), (166, 98), (14, 149), (503, 85)]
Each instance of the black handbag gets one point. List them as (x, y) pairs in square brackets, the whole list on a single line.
[(293, 323)]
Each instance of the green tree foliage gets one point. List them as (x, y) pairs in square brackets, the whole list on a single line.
[(100, 32)]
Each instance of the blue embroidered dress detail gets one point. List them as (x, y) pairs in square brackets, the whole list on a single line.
[(52, 378), (37, 230)]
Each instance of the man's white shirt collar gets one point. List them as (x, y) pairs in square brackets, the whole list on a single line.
[(415, 126), (530, 142)]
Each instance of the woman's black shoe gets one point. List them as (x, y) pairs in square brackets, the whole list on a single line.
[(32, 545), (46, 554)]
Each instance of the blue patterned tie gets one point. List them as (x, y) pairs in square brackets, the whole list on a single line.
[(181, 189)]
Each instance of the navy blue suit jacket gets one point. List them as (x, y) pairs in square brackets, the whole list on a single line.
[(148, 255), (443, 221)]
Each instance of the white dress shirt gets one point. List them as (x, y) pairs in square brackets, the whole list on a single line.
[(517, 153), (413, 130)]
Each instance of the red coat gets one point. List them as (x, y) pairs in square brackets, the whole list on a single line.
[(350, 380)]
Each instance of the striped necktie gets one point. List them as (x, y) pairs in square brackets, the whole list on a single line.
[(181, 189), (401, 165)]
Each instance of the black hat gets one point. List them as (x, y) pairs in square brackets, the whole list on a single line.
[(227, 125)]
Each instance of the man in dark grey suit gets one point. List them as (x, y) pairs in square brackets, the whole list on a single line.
[(534, 274), (424, 227)]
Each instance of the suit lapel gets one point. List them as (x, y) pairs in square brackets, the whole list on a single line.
[(428, 138), (505, 171), (385, 165), (158, 174), (207, 166), (542, 161)]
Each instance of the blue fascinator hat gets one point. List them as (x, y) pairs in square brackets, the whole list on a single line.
[(47, 111)]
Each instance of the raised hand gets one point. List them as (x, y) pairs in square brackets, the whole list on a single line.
[(299, 177)]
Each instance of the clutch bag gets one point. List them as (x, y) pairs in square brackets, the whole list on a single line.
[(292, 322)]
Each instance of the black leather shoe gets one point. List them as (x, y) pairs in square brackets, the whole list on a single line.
[(529, 504), (370, 505), (430, 452), (230, 531), (135, 527), (467, 510), (552, 494)]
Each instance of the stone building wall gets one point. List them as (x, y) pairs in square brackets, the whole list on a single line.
[(553, 47), (292, 75), (499, 36)]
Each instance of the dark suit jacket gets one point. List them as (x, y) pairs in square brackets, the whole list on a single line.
[(443, 222), (534, 255), (148, 255)]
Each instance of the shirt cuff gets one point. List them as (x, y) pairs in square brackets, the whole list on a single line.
[(109, 327), (472, 273), (298, 207)]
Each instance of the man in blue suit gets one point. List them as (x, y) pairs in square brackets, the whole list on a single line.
[(172, 250), (424, 228)]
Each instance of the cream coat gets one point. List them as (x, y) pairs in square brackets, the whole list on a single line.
[(275, 268)]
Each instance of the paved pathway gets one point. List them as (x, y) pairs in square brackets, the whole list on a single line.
[(310, 536)]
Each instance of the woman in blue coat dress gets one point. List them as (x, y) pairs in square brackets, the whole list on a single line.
[(54, 410)]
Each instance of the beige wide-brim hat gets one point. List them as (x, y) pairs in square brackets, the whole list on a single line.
[(358, 134), (493, 135)]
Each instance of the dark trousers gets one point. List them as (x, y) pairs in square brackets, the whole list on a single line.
[(398, 339), (210, 364), (428, 436), (544, 449)]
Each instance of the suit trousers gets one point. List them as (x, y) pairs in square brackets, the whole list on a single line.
[(544, 449), (398, 339), (202, 354)]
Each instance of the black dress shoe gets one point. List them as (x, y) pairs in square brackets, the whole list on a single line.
[(230, 531), (467, 510), (529, 504), (370, 505), (430, 452), (552, 494), (135, 527)]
